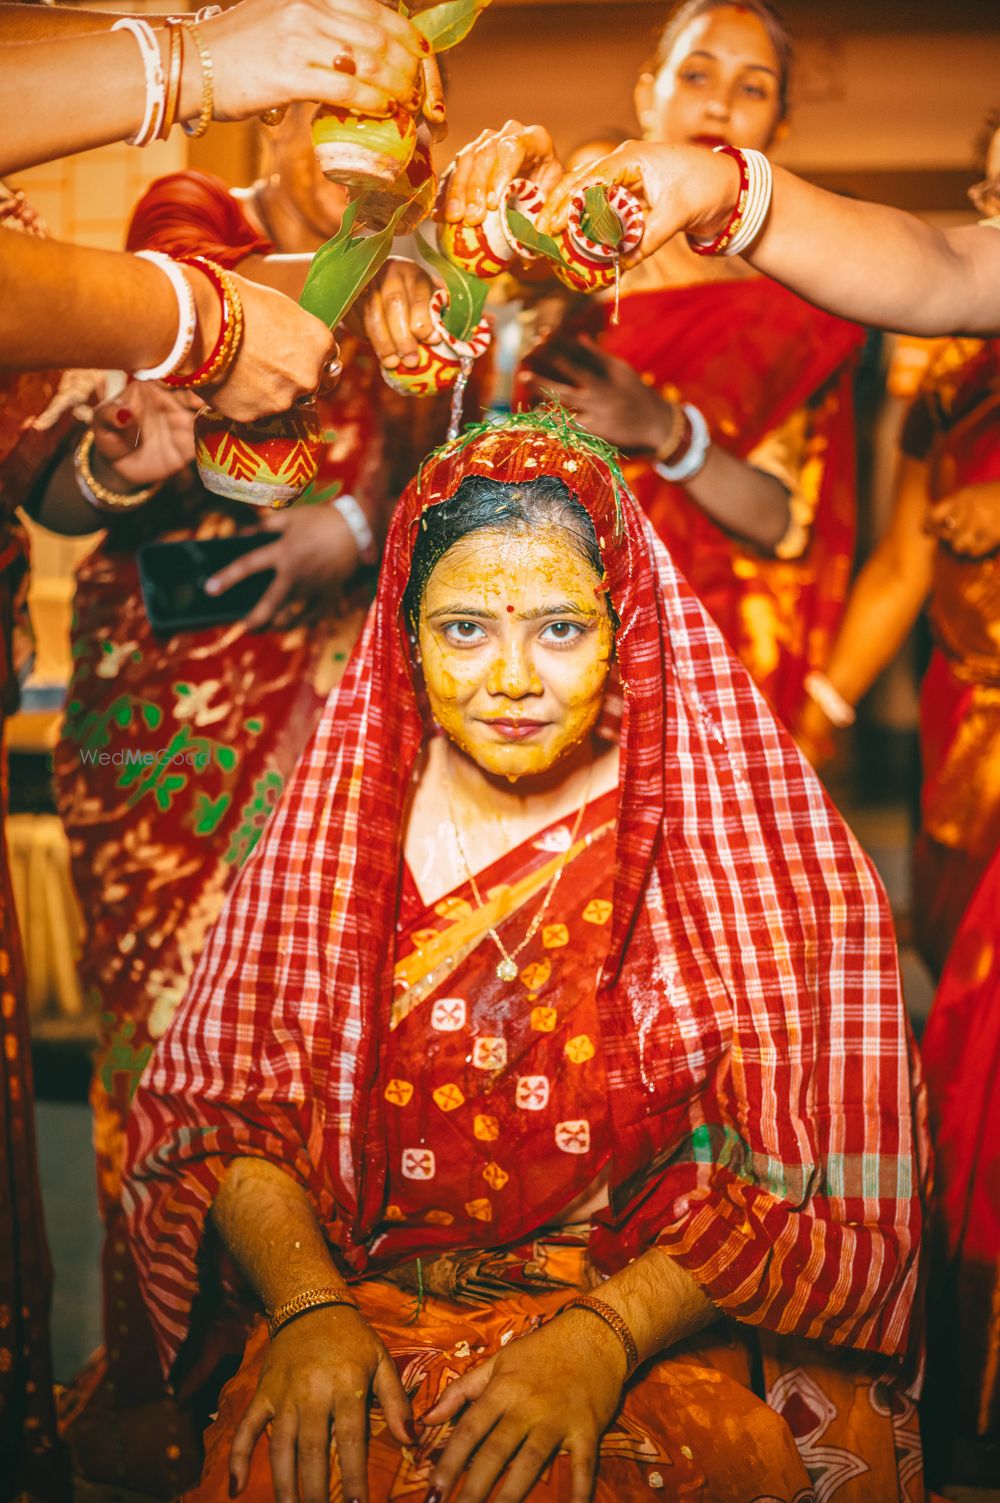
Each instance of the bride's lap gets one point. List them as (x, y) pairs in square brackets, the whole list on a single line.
[(690, 1427)]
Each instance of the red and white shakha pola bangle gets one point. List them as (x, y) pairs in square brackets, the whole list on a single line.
[(753, 202)]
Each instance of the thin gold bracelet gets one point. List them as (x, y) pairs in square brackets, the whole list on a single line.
[(207, 83), (309, 1299), (99, 495), (617, 1323)]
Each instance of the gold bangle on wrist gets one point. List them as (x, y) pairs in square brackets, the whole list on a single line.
[(670, 444), (204, 120), (100, 495), (309, 1299), (617, 1324)]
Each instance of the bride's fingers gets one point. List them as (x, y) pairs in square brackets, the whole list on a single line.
[(459, 1392)]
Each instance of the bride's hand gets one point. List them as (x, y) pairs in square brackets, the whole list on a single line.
[(480, 174), (685, 188), (555, 1389)]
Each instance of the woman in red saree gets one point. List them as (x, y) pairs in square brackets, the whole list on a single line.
[(220, 716), (636, 1017), (764, 531), (33, 1468)]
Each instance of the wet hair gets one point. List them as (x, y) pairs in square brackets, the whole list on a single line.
[(482, 504), (780, 37)]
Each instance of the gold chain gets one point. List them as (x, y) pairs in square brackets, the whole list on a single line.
[(507, 967)]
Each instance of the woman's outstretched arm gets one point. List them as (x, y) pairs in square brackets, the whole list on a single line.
[(863, 261)]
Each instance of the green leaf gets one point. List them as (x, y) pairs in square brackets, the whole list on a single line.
[(344, 266), (446, 25), (599, 220), (466, 293), (523, 230), (315, 496)]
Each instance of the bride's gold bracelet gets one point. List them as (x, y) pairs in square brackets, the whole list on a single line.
[(617, 1323), (309, 1299), (100, 495)]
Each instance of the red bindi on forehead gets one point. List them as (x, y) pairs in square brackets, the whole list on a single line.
[(510, 610)]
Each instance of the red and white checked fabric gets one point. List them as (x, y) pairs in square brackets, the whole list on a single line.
[(760, 1088)]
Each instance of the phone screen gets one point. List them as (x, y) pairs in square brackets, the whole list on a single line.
[(173, 575)]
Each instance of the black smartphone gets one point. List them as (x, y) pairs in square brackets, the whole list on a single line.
[(172, 578)]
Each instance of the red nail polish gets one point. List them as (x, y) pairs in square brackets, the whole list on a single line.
[(434, 1495), (123, 417), (234, 1486)]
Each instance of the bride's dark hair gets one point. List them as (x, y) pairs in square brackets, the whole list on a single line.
[(482, 504)]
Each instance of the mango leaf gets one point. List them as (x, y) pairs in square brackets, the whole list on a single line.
[(466, 293), (599, 220), (446, 25), (343, 267), (523, 230)]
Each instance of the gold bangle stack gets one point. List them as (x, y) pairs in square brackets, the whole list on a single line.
[(98, 494), (309, 1299), (227, 347), (617, 1324)]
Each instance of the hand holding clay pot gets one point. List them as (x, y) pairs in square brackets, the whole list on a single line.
[(270, 52), (590, 262), (489, 249), (265, 463), (441, 359), (481, 174)]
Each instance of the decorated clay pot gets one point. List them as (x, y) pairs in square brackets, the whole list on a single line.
[(486, 250), (441, 361), (359, 151), (589, 265), (415, 186), (265, 463)]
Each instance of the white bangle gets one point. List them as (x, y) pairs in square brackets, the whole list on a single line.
[(156, 88), (187, 317), (759, 189), (692, 461), (830, 700), (358, 526)]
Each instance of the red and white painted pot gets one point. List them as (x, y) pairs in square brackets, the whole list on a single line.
[(589, 265), (488, 249), (265, 463), (359, 151), (440, 361)]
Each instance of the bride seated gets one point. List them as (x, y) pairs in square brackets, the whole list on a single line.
[(545, 1086)]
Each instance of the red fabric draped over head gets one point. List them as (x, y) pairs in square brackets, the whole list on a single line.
[(756, 1052)]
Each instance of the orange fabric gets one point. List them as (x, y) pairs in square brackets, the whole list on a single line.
[(692, 1428)]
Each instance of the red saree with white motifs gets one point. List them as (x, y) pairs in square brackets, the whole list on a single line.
[(688, 1027)]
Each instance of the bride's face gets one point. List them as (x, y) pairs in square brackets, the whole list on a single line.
[(516, 644)]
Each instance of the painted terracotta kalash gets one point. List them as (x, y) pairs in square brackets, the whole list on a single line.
[(388, 171)]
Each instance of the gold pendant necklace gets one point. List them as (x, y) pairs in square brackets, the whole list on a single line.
[(507, 965)]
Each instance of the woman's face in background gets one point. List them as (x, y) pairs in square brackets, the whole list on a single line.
[(720, 83), (290, 154), (516, 645)]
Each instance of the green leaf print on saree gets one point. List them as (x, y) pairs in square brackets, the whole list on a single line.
[(254, 816)]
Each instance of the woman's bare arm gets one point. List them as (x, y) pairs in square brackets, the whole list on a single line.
[(862, 261), (263, 52)]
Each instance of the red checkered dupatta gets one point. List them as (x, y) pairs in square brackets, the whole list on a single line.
[(760, 1087)]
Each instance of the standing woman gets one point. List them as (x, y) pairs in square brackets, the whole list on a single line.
[(757, 502)]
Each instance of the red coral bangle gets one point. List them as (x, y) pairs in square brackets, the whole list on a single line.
[(717, 246), (209, 269)]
